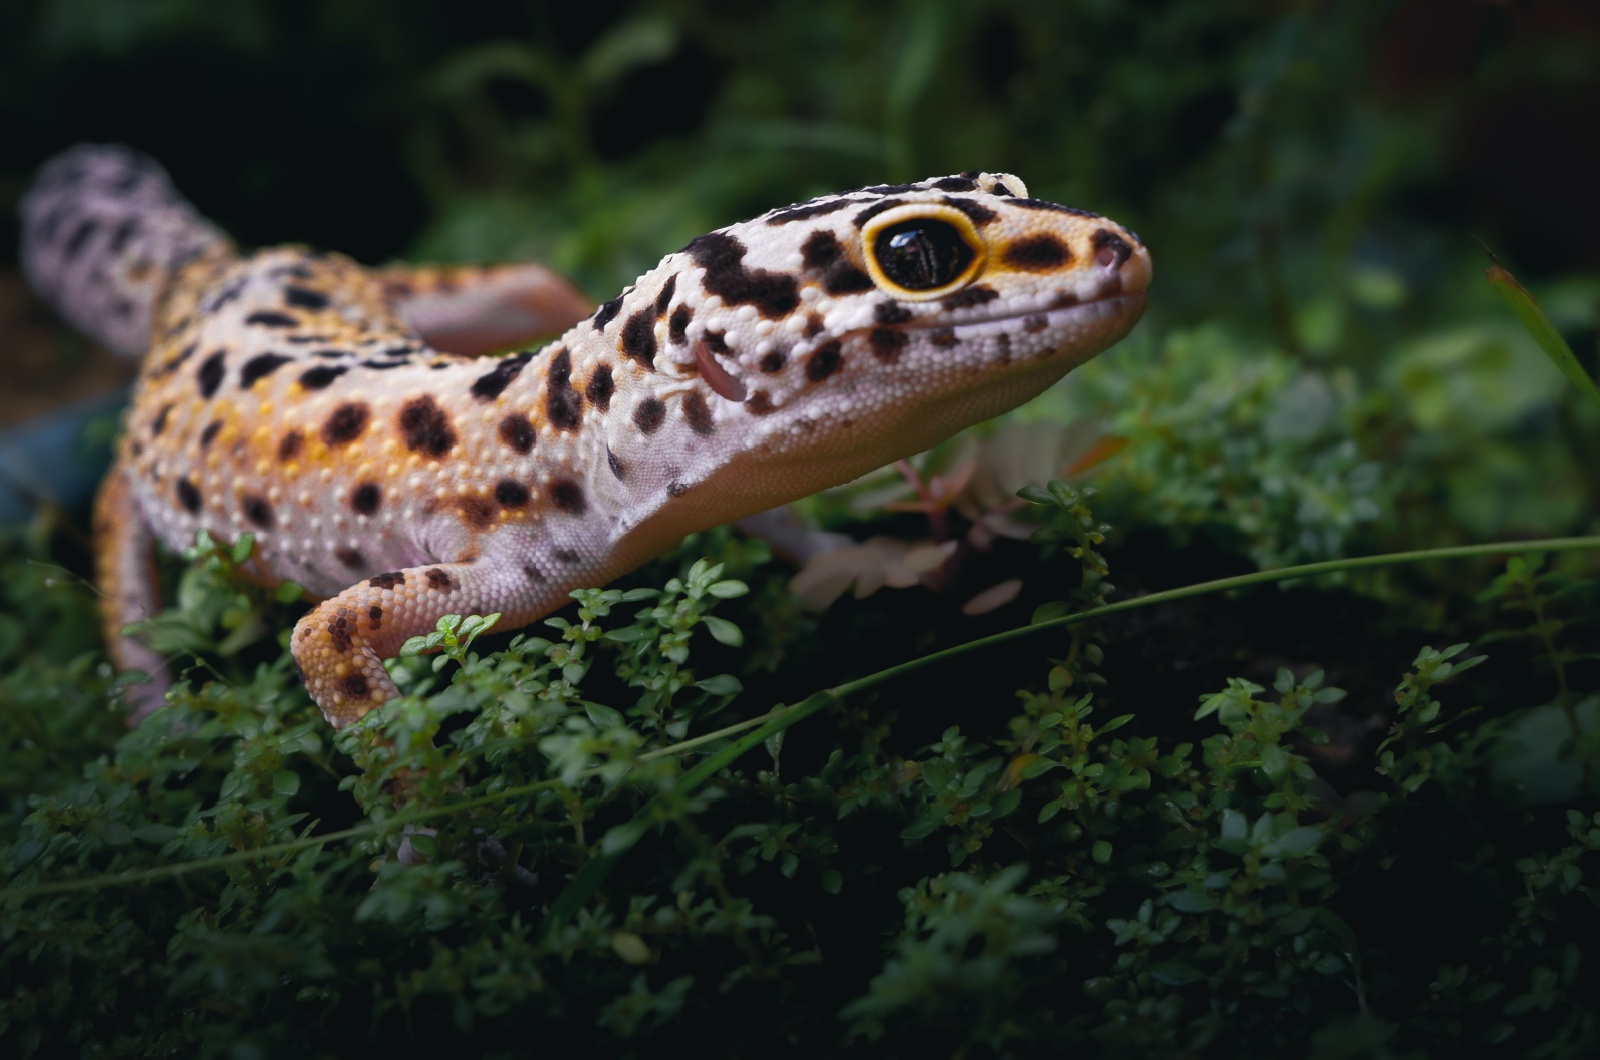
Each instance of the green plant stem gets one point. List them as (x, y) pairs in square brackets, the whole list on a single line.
[(594, 872)]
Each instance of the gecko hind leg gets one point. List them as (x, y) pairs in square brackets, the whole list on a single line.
[(477, 309), (125, 571)]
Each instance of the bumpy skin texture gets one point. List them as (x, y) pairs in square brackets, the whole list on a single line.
[(286, 395)]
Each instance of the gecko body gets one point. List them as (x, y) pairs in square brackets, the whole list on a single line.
[(309, 401)]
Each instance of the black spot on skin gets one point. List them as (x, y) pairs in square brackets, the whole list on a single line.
[(649, 414), (354, 687), (269, 319), (566, 555), (533, 574), (381, 365), (967, 297), (331, 355), (890, 313), (886, 344), (664, 298), (188, 496), (122, 308), (366, 498), (824, 362), (159, 424), (320, 376), (257, 510), (614, 464), (716, 342), (438, 580), (175, 362), (1055, 207), (759, 402), (845, 278), (352, 560), (345, 423), (124, 232), (1000, 189), (339, 631), (210, 374), (375, 616), (639, 338), (387, 581), (607, 313), (698, 413), (209, 435), (78, 238), (942, 338), (1035, 322), (1064, 300), (678, 325), (1110, 249), (517, 432), (820, 250), (563, 405), (600, 387), (304, 299), (875, 209), (774, 294), (1040, 253), (976, 212), (259, 367), (774, 362), (138, 449), (511, 494), (491, 385), (290, 446), (676, 488), (803, 212), (956, 184), (228, 294), (425, 427)]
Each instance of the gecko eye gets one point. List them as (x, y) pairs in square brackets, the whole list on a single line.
[(922, 254), (917, 252)]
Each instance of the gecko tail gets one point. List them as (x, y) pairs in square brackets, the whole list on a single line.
[(103, 230)]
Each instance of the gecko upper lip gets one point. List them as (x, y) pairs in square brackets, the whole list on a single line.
[(1093, 309)]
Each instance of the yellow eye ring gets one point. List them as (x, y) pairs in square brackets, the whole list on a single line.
[(921, 262)]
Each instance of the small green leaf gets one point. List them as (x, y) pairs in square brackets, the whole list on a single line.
[(1538, 325), (727, 590), (723, 631), (721, 685), (286, 782)]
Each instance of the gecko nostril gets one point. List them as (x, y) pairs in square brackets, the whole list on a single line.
[(1111, 251)]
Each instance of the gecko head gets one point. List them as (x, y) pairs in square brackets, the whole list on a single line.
[(827, 338)]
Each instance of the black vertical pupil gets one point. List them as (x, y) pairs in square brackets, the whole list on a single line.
[(922, 254)]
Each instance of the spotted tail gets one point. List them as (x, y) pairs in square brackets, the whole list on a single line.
[(103, 230)]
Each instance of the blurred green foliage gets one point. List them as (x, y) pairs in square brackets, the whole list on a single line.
[(1308, 820)]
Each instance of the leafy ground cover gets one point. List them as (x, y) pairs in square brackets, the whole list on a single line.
[(1013, 788)]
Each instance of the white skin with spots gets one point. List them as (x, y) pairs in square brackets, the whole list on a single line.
[(286, 395)]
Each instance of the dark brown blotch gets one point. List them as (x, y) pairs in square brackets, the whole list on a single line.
[(257, 510), (567, 496), (425, 427), (942, 338), (1040, 253), (638, 339), (759, 402), (209, 376), (387, 581), (820, 250), (509, 493), (649, 414), (518, 433), (773, 362), (477, 512), (774, 294), (890, 313), (354, 687), (967, 297), (350, 557), (824, 361), (159, 424), (319, 377), (664, 297), (188, 496), (678, 325), (600, 388), (270, 319), (563, 405), (976, 212), (304, 298), (492, 384), (209, 435), (345, 423), (845, 278), (339, 630), (698, 413), (366, 498), (290, 445), (438, 580), (886, 343), (259, 367)]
